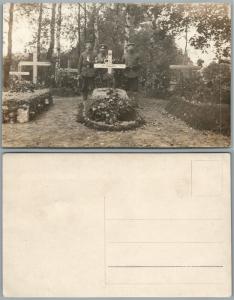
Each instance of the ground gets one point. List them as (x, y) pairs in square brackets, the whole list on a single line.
[(58, 127)]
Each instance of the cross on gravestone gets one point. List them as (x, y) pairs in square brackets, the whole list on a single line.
[(35, 63), (108, 64)]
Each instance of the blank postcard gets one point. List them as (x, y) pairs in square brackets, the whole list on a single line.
[(112, 225)]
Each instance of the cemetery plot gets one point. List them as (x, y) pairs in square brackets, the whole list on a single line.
[(110, 109), (152, 75), (58, 127), (24, 106)]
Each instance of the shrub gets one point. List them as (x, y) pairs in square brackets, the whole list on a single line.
[(111, 109), (68, 80), (210, 86), (18, 86)]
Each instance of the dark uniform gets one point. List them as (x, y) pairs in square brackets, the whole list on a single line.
[(87, 72), (131, 73), (102, 77)]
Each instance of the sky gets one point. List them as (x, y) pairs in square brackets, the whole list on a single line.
[(22, 34)]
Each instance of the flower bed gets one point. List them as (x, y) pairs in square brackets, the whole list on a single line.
[(203, 116), (24, 106), (110, 109)]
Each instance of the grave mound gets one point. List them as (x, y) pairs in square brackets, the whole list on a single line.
[(110, 109), (22, 107)]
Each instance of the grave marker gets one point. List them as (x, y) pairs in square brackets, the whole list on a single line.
[(108, 64), (35, 64)]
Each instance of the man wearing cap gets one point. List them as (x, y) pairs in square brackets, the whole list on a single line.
[(131, 73), (102, 79), (86, 70), (102, 54)]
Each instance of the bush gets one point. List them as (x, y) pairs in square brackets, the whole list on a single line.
[(211, 86), (111, 109), (17, 86), (67, 80)]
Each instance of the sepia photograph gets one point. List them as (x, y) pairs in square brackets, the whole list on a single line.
[(116, 75)]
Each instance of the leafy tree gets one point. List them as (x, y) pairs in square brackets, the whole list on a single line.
[(52, 31), (153, 27), (8, 60), (39, 30), (210, 21)]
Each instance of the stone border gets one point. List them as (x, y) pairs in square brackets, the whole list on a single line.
[(24, 107), (126, 125)]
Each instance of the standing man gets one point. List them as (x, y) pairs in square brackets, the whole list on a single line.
[(102, 78), (131, 74), (102, 54), (86, 70)]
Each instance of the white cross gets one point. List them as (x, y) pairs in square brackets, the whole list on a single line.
[(19, 74), (35, 63), (184, 67), (108, 64), (69, 70)]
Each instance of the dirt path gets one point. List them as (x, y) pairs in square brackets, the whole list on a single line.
[(58, 128)]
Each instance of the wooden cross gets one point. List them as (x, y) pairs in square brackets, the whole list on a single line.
[(69, 70), (19, 74), (184, 67), (35, 63), (108, 64)]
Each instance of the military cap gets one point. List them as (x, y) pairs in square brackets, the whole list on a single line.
[(88, 42), (103, 46)]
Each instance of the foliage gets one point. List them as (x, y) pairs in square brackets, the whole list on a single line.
[(68, 80), (211, 23), (154, 28), (212, 86), (111, 109), (21, 85), (16, 85), (155, 73)]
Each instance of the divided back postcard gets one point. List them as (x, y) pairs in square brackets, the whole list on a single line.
[(116, 225)]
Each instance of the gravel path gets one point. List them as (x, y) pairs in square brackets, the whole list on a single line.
[(58, 128)]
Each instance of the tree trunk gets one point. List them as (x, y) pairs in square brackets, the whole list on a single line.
[(128, 29), (39, 31), (58, 33), (79, 40), (186, 46), (52, 33), (8, 61), (85, 21), (58, 44), (95, 27), (51, 72)]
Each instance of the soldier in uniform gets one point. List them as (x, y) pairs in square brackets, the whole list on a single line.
[(102, 76), (86, 70), (102, 54), (131, 73)]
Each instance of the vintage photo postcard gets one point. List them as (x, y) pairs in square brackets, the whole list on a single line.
[(116, 225), (104, 75)]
